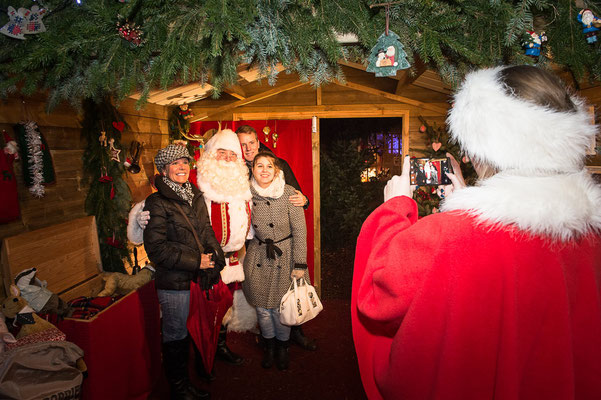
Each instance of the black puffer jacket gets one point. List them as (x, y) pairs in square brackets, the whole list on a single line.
[(169, 241)]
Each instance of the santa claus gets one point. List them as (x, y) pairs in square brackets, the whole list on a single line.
[(223, 178)]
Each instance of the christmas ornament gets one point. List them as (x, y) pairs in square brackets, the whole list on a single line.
[(275, 135), (436, 146), (33, 20), (119, 126), (35, 156), (113, 150), (387, 56), (102, 139), (185, 112), (8, 182), (533, 42), (590, 23), (131, 32), (422, 128), (266, 131), (465, 159), (23, 21), (14, 26)]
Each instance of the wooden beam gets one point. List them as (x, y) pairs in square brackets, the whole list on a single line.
[(354, 65), (377, 92), (252, 74), (316, 209), (174, 92), (407, 78), (329, 111), (318, 96), (236, 91), (251, 99)]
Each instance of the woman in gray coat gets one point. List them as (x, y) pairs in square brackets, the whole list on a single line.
[(276, 254)]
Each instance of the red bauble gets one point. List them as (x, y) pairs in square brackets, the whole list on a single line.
[(422, 128)]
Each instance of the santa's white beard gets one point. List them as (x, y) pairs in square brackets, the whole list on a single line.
[(223, 179)]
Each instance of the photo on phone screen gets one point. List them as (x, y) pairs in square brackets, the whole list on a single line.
[(430, 171)]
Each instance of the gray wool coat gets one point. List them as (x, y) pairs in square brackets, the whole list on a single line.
[(267, 280)]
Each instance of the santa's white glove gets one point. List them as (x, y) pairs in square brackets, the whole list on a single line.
[(142, 218), (399, 185), (138, 219)]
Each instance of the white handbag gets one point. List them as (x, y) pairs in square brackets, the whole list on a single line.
[(300, 304)]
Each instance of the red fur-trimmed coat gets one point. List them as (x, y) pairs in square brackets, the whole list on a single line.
[(448, 307)]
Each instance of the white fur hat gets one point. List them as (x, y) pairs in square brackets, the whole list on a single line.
[(510, 133), (224, 139)]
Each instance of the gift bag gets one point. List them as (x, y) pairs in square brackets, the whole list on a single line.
[(300, 303)]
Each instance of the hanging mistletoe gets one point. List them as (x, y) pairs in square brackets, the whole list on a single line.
[(109, 197)]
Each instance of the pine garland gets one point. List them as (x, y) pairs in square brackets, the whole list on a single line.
[(109, 197), (81, 54)]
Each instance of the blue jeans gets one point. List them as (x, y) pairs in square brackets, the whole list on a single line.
[(269, 321), (174, 308)]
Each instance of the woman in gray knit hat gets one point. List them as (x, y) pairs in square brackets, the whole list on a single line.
[(171, 245)]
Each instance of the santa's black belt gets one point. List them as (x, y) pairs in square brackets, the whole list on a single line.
[(271, 249)]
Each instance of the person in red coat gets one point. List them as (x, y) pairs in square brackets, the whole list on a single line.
[(498, 296)]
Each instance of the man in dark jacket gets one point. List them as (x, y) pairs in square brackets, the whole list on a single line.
[(180, 242), (247, 135)]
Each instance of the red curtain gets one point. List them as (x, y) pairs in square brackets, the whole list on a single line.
[(293, 145)]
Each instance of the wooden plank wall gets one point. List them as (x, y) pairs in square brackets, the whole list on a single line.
[(64, 200)]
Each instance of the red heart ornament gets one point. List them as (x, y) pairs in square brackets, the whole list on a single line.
[(436, 145), (119, 126)]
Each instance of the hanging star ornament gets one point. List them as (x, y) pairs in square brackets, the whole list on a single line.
[(114, 151)]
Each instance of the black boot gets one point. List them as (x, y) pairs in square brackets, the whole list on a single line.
[(269, 353), (200, 369), (282, 360), (223, 352), (175, 361), (298, 337)]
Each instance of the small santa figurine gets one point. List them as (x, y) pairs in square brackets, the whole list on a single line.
[(590, 25)]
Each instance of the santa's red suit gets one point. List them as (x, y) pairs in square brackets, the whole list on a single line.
[(231, 221), (499, 296)]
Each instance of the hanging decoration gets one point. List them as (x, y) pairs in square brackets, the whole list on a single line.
[(533, 43), (35, 156), (387, 56), (590, 23), (131, 32), (8, 182), (275, 135), (266, 131), (185, 112), (102, 139), (24, 22), (114, 151)]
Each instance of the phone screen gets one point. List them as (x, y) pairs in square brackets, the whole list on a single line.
[(430, 171)]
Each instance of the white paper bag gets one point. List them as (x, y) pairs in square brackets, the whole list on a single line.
[(300, 303)]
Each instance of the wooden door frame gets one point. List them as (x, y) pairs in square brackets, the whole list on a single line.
[(322, 112)]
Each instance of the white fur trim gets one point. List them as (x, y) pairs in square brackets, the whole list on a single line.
[(225, 139), (233, 273), (561, 207), (275, 190), (510, 133), (135, 233), (241, 317), (213, 194)]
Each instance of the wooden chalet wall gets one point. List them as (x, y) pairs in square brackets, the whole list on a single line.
[(64, 200)]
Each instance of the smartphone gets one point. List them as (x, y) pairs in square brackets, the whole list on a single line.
[(430, 171)]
